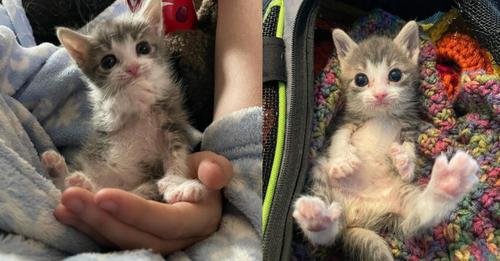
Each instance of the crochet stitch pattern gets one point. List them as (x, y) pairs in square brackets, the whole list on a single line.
[(469, 122), (463, 52)]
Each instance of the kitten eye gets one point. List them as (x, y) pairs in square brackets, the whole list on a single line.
[(143, 48), (361, 79), (395, 75), (108, 61)]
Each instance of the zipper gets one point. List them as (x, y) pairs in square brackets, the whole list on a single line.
[(277, 153), (278, 235)]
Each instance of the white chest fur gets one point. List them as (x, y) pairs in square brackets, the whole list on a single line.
[(374, 138), (138, 141), (372, 142)]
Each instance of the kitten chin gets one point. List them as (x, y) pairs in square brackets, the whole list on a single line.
[(361, 185), (139, 125)]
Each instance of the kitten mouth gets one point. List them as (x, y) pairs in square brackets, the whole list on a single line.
[(130, 79), (383, 103)]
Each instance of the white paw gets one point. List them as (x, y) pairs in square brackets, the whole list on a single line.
[(78, 179), (343, 165), (190, 191), (312, 214), (54, 164), (403, 161), (456, 178)]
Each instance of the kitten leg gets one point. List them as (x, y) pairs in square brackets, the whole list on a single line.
[(341, 159), (363, 244), (148, 190), (176, 186), (403, 158), (56, 167), (449, 183), (79, 179), (320, 224)]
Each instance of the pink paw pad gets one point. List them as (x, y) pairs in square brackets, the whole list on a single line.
[(312, 214), (455, 178)]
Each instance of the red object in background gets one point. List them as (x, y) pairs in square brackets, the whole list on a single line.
[(178, 15)]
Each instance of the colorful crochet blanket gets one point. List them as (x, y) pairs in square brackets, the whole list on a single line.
[(469, 121)]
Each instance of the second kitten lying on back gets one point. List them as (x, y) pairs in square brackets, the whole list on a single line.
[(361, 185), (139, 140)]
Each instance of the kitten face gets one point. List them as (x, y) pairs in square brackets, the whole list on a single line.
[(380, 75), (122, 52)]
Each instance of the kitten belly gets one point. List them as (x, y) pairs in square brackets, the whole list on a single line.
[(137, 143), (372, 142)]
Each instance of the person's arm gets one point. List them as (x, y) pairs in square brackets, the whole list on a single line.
[(238, 56)]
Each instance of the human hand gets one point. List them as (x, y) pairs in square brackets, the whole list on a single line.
[(119, 219)]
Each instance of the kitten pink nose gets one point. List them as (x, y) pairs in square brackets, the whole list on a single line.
[(380, 96), (133, 70)]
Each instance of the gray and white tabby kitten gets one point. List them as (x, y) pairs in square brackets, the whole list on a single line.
[(139, 141), (361, 185)]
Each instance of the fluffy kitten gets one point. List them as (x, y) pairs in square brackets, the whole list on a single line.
[(139, 128), (361, 183)]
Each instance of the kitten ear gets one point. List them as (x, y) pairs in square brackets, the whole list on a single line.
[(76, 44), (152, 11), (343, 43), (408, 40)]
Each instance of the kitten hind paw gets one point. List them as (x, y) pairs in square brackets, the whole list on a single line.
[(319, 223), (456, 178)]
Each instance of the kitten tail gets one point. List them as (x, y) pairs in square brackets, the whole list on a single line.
[(364, 244)]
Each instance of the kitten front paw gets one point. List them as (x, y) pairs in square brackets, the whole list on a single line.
[(78, 179), (188, 191), (54, 164), (343, 165), (456, 178), (403, 161)]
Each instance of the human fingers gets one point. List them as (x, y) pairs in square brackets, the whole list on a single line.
[(167, 221), (213, 170), (67, 217), (98, 222)]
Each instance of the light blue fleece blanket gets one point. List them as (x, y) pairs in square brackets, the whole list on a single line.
[(43, 105)]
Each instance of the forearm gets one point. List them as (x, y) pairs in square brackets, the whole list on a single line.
[(238, 56)]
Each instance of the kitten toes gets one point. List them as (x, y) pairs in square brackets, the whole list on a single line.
[(188, 191), (78, 179), (318, 222), (455, 178), (54, 164), (343, 166), (313, 215), (402, 161)]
